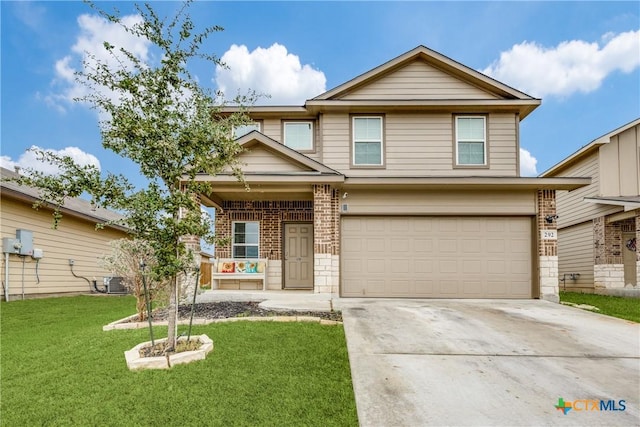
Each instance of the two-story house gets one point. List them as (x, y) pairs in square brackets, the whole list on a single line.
[(402, 182), (599, 225)]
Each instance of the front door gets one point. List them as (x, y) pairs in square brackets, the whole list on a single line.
[(298, 256)]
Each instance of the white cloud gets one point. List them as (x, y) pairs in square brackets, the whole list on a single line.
[(570, 67), (94, 31), (28, 159), (527, 163), (272, 71)]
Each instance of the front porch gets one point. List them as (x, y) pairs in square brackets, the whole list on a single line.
[(299, 238)]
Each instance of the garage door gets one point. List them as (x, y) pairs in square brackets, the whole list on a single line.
[(437, 257)]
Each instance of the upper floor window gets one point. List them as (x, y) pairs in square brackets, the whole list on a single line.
[(367, 141), (246, 240), (242, 130), (471, 138), (298, 135)]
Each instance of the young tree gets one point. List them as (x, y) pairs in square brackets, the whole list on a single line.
[(126, 259), (158, 116)]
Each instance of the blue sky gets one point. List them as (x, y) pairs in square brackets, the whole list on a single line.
[(581, 58)]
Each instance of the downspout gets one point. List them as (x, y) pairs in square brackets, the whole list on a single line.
[(6, 276)]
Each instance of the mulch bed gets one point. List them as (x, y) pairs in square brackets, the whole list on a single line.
[(227, 309)]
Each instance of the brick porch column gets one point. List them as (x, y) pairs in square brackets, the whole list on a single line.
[(547, 248), (608, 266), (325, 211)]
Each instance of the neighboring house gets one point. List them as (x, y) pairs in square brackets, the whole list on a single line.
[(403, 182), (599, 225), (44, 269)]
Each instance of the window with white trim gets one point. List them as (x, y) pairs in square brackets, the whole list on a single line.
[(246, 240), (298, 135), (471, 138), (367, 141), (242, 130)]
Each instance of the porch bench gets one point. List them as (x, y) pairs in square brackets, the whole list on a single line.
[(239, 269)]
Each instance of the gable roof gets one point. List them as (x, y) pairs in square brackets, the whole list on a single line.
[(498, 94), (76, 207), (588, 149), (306, 164)]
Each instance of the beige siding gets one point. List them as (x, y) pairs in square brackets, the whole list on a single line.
[(575, 255), (418, 80), (571, 207), (620, 164), (399, 202), (421, 144), (257, 159), (272, 128), (74, 239)]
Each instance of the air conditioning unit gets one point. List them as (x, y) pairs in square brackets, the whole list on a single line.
[(114, 285)]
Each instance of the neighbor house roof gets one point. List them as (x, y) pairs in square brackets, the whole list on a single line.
[(588, 149), (76, 207)]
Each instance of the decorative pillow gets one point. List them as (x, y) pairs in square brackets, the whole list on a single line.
[(260, 268), (252, 267), (228, 267), (241, 267)]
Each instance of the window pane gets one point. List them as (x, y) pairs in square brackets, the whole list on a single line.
[(470, 128), (298, 135), (239, 252), (367, 153), (245, 129), (251, 251), (471, 153), (367, 128), (246, 239)]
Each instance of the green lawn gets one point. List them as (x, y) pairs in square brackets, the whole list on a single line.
[(58, 368), (623, 308)]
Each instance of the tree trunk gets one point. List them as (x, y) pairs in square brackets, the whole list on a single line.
[(172, 332)]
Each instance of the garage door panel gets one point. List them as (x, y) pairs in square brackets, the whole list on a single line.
[(445, 257)]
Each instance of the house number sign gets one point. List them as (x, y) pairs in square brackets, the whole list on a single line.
[(549, 234)]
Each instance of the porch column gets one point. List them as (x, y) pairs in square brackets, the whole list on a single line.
[(325, 211), (188, 281), (608, 266), (547, 247)]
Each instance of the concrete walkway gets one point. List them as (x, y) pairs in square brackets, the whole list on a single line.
[(275, 300)]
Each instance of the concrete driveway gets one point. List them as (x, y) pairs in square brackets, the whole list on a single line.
[(490, 363)]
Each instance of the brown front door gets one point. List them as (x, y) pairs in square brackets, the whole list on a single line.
[(298, 256)]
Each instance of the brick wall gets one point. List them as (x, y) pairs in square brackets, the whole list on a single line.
[(607, 242), (547, 206), (270, 214)]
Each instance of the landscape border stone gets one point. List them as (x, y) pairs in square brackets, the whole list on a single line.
[(137, 362)]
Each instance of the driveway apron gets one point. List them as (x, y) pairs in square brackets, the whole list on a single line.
[(490, 363)]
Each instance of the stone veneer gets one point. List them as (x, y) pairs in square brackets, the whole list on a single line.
[(547, 249)]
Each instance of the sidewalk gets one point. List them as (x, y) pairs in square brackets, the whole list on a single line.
[(275, 300)]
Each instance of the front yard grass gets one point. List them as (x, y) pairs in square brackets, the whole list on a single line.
[(58, 368), (623, 308)]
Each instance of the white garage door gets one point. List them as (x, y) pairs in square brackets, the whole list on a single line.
[(438, 257)]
